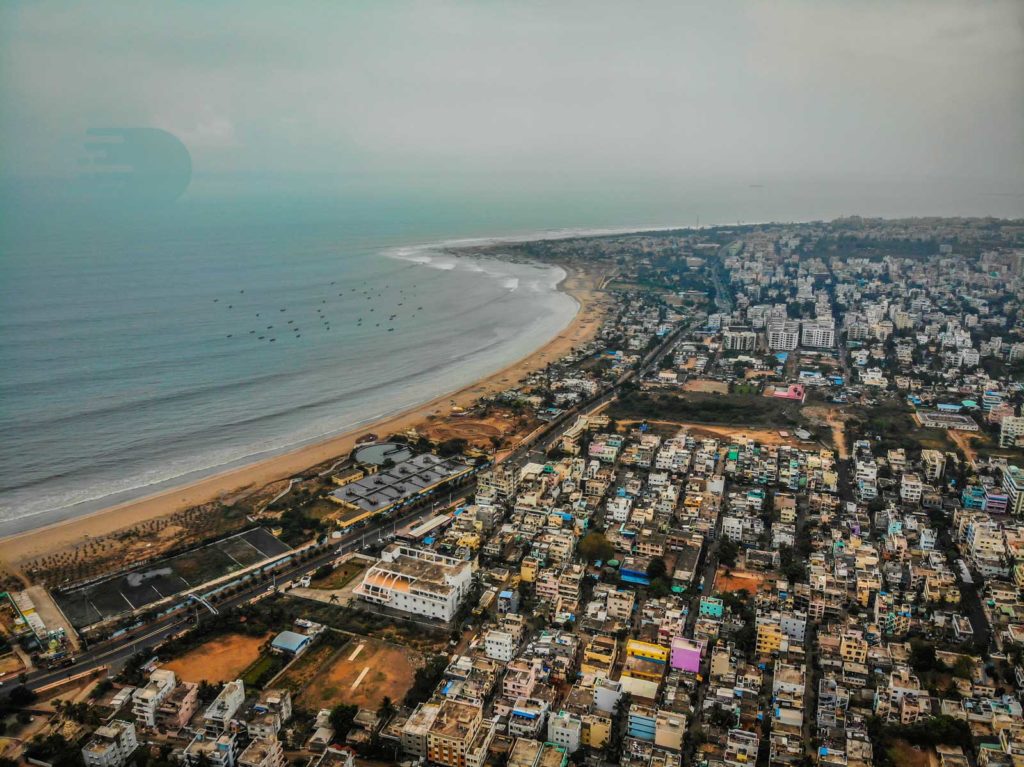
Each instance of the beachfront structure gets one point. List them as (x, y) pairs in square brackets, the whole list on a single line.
[(110, 745), (403, 484), (417, 581)]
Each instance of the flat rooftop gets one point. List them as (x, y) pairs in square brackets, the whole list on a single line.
[(403, 480)]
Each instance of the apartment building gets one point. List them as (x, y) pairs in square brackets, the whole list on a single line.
[(452, 732), (1013, 484), (111, 745), (147, 699)]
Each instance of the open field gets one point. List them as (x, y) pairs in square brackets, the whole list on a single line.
[(836, 420), (705, 431), (302, 671), (707, 386), (737, 580), (480, 431), (747, 410), (165, 578), (363, 673), (903, 754), (340, 576), (219, 660)]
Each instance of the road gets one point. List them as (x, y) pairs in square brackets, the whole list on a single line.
[(115, 651)]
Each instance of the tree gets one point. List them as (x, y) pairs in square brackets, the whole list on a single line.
[(922, 656), (387, 709), (963, 667), (594, 546), (656, 568), (728, 551), (21, 696), (343, 716)]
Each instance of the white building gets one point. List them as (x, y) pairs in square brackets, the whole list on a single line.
[(500, 645), (263, 752), (417, 581), (147, 699), (218, 716), (1013, 484), (221, 751), (783, 336), (818, 334), (565, 730), (911, 488), (737, 339), (110, 745), (1011, 431)]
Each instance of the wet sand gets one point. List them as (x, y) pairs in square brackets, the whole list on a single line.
[(19, 548)]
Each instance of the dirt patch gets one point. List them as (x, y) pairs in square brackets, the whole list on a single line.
[(836, 420), (10, 663), (737, 580), (219, 660), (704, 431), (965, 442), (707, 386), (480, 431), (363, 673), (903, 754)]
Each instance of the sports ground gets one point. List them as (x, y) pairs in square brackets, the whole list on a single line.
[(145, 585)]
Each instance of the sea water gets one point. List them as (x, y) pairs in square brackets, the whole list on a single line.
[(135, 344), (162, 349)]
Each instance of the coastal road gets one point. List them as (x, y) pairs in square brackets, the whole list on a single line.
[(116, 651)]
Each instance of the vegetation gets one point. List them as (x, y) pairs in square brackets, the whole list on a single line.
[(594, 546), (927, 733), (343, 716), (733, 409), (426, 680)]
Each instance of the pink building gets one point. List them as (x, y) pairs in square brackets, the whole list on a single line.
[(793, 391), (686, 654)]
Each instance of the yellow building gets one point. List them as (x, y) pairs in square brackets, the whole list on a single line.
[(596, 730), (853, 648), (528, 570), (599, 656), (647, 651), (452, 732), (769, 638)]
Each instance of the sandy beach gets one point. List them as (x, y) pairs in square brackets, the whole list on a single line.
[(22, 547)]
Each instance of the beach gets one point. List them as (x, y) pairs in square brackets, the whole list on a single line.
[(17, 549)]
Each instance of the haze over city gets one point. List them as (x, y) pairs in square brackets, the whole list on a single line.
[(479, 384)]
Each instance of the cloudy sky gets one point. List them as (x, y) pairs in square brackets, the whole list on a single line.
[(656, 89)]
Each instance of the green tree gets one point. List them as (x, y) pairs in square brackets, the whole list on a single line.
[(728, 551), (656, 568), (594, 546), (343, 716), (387, 709)]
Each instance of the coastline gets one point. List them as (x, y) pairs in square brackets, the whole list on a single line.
[(21, 547)]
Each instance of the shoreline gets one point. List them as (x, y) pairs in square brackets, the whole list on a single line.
[(59, 535)]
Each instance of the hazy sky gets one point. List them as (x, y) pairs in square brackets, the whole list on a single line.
[(653, 89)]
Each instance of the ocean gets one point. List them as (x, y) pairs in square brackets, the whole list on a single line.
[(141, 356), (145, 348)]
